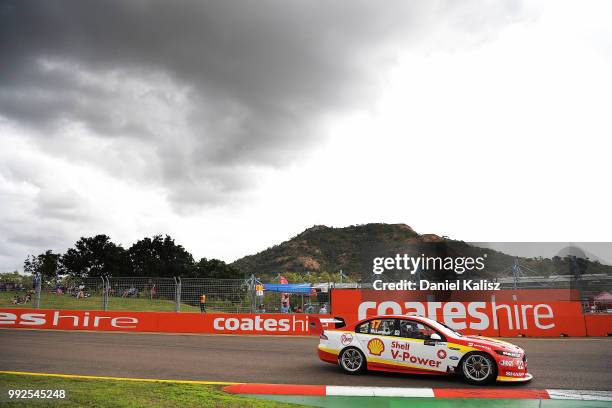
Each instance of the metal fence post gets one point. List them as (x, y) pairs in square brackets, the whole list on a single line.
[(177, 293), (37, 290), (105, 290), (253, 292), (108, 289), (329, 294), (103, 293)]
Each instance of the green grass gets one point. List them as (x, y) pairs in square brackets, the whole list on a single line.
[(110, 393), (51, 301)]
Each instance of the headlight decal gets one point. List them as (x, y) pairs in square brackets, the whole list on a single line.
[(508, 353)]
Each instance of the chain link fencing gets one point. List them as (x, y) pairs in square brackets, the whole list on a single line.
[(198, 294), (158, 295)]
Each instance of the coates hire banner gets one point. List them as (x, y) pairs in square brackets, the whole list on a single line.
[(279, 324), (503, 313)]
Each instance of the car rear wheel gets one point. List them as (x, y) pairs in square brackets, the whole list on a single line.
[(479, 368), (352, 360)]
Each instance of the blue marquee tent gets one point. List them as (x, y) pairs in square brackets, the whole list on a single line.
[(300, 288)]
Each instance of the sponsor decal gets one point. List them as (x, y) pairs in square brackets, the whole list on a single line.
[(506, 363), (441, 354), (259, 324), (402, 345), (84, 320), (514, 374), (399, 351), (376, 346), (406, 356), (346, 339), (472, 315)]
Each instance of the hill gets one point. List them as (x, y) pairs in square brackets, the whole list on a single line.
[(326, 250)]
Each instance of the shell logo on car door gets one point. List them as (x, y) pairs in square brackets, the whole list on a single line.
[(376, 346)]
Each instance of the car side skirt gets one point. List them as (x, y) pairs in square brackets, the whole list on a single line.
[(399, 369)]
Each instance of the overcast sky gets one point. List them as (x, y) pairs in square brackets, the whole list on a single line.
[(234, 125)]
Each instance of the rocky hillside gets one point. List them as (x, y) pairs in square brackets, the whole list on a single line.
[(324, 249)]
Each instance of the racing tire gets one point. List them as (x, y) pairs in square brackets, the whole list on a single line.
[(479, 368), (352, 360)]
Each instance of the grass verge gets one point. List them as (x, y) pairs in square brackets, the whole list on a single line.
[(111, 393), (67, 302)]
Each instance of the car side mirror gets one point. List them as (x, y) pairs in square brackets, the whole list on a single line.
[(435, 336)]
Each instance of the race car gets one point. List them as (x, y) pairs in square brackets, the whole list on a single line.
[(419, 345)]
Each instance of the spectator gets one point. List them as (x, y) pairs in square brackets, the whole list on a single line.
[(81, 292), (285, 303), (309, 308), (323, 309), (131, 292), (298, 309), (153, 292), (203, 303)]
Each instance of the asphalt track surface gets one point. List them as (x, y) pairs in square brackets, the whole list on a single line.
[(559, 363)]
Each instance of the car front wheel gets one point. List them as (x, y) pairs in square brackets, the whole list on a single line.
[(352, 360), (479, 368)]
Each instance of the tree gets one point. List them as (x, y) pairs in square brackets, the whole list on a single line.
[(158, 257), (214, 268), (45, 264), (96, 256), (14, 280)]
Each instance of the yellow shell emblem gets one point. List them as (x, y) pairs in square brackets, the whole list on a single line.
[(376, 347)]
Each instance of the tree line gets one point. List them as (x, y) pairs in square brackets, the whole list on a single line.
[(158, 256)]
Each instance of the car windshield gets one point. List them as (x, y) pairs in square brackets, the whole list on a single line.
[(456, 333)]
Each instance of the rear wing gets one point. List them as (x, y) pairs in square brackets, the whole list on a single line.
[(318, 324)]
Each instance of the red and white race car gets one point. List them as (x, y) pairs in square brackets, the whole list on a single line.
[(418, 345)]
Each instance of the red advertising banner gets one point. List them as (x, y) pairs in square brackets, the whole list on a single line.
[(488, 313), (275, 324), (598, 324), (498, 317)]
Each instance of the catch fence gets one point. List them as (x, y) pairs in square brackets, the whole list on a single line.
[(223, 295), (157, 294)]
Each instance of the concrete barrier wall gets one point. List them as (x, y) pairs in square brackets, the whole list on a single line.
[(598, 324), (557, 320), (165, 322), (531, 313)]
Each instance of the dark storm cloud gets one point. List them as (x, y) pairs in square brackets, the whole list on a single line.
[(212, 87)]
